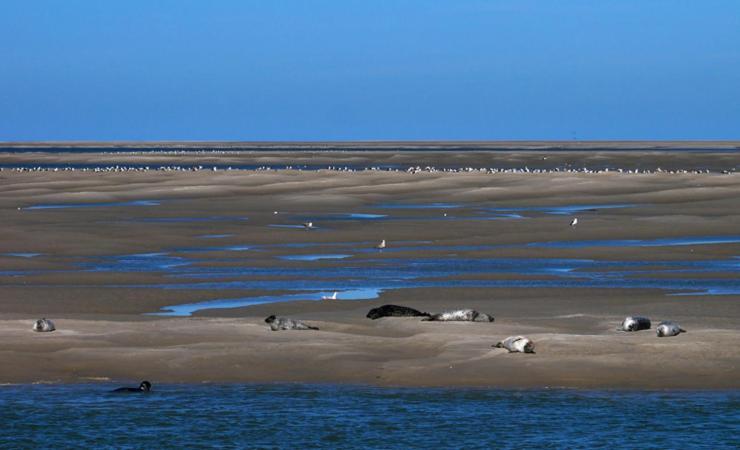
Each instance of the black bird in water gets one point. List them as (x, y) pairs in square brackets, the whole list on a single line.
[(145, 386)]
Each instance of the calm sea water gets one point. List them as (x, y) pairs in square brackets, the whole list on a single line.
[(329, 416)]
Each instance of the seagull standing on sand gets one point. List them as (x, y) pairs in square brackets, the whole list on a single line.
[(308, 225), (381, 246), (574, 222), (330, 297)]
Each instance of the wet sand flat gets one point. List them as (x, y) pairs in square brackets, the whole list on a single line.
[(55, 263)]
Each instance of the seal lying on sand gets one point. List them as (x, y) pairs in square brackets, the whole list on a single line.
[(145, 386), (395, 311), (460, 315), (515, 344), (43, 325), (635, 323), (283, 323), (668, 328)]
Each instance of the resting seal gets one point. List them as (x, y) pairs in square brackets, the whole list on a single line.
[(635, 323), (145, 386), (43, 325), (283, 323), (668, 328), (395, 311), (516, 344), (460, 315)]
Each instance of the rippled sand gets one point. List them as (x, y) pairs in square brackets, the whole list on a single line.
[(102, 331)]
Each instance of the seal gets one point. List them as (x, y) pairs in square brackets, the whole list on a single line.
[(283, 323), (668, 328), (460, 315), (516, 344), (145, 386), (43, 326), (635, 323), (395, 311)]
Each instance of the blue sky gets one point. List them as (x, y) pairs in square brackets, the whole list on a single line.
[(369, 70)]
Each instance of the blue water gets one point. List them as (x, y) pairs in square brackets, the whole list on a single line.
[(225, 248), (348, 417), (190, 308), (295, 226), (659, 242), (367, 277), (23, 255), (434, 205), (348, 216), (92, 205), (315, 257), (357, 266), (564, 209)]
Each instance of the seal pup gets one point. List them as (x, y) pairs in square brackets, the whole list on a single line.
[(145, 386), (668, 328), (395, 311), (516, 344), (283, 323), (460, 315), (635, 323), (43, 325)]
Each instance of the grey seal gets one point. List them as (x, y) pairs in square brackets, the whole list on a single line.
[(395, 311), (145, 386), (283, 323), (43, 326), (460, 315), (668, 328), (635, 323), (516, 344)]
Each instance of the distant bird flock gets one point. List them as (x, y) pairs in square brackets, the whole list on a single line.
[(410, 170)]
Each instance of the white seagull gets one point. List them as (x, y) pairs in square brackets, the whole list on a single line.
[(329, 297), (308, 225), (381, 246), (574, 222)]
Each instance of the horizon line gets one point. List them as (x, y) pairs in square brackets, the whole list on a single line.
[(720, 143)]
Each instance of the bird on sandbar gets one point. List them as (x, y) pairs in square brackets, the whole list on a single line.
[(308, 225), (574, 222), (381, 246), (329, 297)]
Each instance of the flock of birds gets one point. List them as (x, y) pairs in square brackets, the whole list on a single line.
[(411, 170)]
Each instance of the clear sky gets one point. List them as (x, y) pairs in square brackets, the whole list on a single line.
[(369, 69)]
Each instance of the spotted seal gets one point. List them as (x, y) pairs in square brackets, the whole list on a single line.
[(668, 328), (43, 326), (516, 344), (395, 311), (635, 323), (460, 315), (283, 323)]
